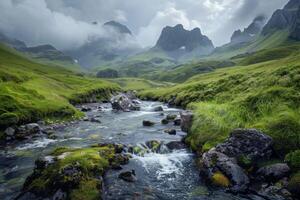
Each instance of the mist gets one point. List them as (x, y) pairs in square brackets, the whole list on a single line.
[(67, 24)]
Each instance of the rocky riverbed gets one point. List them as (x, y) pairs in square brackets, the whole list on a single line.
[(139, 146)]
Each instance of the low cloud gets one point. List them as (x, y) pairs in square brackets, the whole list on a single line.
[(67, 24)]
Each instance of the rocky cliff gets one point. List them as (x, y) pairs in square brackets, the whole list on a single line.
[(178, 38)]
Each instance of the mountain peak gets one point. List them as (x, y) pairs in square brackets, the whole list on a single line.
[(283, 18), (175, 38), (292, 4), (252, 30), (119, 27)]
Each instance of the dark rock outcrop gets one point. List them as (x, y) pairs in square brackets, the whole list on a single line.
[(22, 132), (274, 172), (175, 38), (249, 144), (214, 162)]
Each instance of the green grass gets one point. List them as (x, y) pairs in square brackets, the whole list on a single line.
[(138, 84), (261, 42), (30, 91), (265, 96)]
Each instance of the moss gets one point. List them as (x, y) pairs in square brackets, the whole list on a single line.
[(294, 185), (219, 179), (244, 162), (199, 191), (88, 190), (293, 159), (74, 170)]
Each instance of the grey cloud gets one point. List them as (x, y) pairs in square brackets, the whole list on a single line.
[(67, 23)]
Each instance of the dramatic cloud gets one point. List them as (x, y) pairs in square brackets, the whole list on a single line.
[(68, 23)]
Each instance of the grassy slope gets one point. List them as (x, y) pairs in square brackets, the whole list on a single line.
[(262, 42), (139, 84), (264, 96), (30, 91)]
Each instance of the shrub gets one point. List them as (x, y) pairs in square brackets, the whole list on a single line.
[(293, 159)]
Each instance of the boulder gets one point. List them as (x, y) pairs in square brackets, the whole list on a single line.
[(274, 172), (128, 176), (148, 123), (124, 103), (85, 109), (176, 145), (33, 128), (186, 120), (171, 117), (177, 122), (249, 143), (164, 121), (10, 132), (27, 130), (216, 162), (170, 131), (95, 120), (158, 109)]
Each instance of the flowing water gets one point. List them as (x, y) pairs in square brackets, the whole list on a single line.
[(164, 175)]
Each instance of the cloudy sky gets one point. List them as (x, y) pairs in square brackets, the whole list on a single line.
[(67, 23)]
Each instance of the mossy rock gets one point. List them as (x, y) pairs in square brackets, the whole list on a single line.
[(88, 189), (74, 171), (293, 159), (164, 121), (219, 179), (171, 117), (294, 185)]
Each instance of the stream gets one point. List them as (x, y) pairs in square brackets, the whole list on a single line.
[(165, 175)]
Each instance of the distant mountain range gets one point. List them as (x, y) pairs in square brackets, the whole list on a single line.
[(118, 45), (41, 52), (176, 45)]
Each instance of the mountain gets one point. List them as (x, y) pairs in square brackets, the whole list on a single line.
[(14, 43), (283, 19), (250, 32), (116, 45), (118, 27), (177, 39), (48, 52), (45, 53)]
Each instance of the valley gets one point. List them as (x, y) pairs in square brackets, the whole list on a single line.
[(181, 119)]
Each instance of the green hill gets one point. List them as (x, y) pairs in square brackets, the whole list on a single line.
[(31, 91), (264, 96)]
